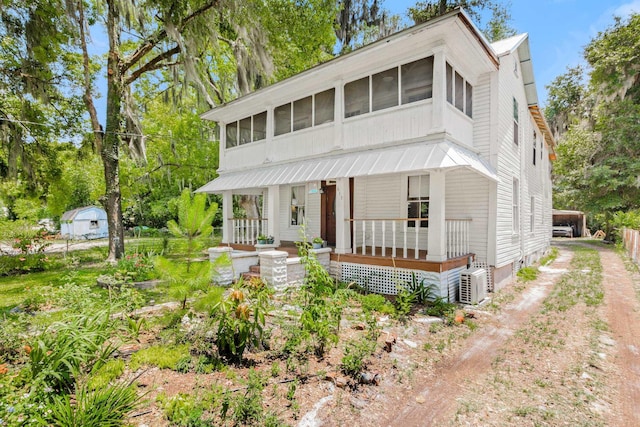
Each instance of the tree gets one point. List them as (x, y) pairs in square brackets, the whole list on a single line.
[(362, 21), (597, 123), (497, 27)]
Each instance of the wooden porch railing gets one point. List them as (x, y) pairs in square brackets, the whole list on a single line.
[(247, 230), (378, 236)]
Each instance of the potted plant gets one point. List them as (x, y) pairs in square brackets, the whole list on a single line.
[(317, 242), (270, 240), (262, 239)]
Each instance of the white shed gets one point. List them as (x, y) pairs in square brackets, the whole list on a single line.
[(89, 222)]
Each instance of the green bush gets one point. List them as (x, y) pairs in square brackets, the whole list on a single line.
[(376, 302), (527, 274)]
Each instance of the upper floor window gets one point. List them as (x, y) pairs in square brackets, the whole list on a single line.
[(408, 83), (535, 144), (515, 121), (459, 91), (249, 129), (305, 112), (356, 97), (417, 80), (418, 200)]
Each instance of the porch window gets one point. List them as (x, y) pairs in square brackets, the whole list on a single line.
[(297, 204), (535, 143), (385, 89), (245, 131), (232, 134), (260, 126), (459, 91), (515, 121), (418, 199), (516, 209), (93, 224), (417, 80), (324, 106), (356, 97), (283, 119), (302, 111)]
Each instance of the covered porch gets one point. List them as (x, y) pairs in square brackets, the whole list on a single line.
[(359, 202)]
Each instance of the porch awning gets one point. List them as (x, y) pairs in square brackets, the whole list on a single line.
[(398, 159)]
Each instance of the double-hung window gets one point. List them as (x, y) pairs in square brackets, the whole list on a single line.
[(515, 121), (297, 204), (418, 200)]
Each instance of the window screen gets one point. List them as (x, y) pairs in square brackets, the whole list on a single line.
[(356, 97), (324, 104), (417, 80), (459, 92), (385, 89), (469, 100), (245, 131), (449, 75), (302, 110), (232, 134), (260, 126), (282, 119)]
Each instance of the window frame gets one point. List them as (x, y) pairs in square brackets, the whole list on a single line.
[(421, 200), (297, 208), (516, 128), (515, 203)]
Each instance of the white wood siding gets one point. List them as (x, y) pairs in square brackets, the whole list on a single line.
[(290, 232), (515, 161), (467, 197)]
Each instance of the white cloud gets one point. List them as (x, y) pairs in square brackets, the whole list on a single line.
[(627, 8)]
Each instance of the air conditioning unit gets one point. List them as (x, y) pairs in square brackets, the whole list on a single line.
[(473, 285)]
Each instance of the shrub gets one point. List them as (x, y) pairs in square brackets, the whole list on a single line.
[(376, 302), (103, 406), (355, 355)]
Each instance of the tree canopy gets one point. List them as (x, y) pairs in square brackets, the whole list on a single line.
[(597, 118)]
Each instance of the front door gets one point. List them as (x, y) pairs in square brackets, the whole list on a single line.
[(328, 209)]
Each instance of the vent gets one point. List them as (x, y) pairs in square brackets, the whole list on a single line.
[(473, 285)]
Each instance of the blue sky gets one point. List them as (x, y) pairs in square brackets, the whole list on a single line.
[(558, 29)]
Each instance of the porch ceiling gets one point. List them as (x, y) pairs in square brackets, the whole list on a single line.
[(398, 159)]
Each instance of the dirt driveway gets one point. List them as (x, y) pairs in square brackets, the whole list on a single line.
[(543, 360)]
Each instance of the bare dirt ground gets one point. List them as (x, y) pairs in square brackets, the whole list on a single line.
[(538, 355), (533, 366)]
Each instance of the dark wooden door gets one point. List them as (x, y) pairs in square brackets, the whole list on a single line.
[(329, 201)]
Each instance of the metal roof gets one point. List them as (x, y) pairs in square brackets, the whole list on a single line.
[(397, 159), (71, 215)]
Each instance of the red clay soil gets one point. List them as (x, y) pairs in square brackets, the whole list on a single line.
[(623, 315), (435, 403)]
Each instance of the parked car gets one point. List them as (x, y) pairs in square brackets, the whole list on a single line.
[(562, 231)]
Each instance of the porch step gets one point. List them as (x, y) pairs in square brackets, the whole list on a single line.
[(249, 275)]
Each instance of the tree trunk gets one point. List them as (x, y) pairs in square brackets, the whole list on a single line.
[(111, 144)]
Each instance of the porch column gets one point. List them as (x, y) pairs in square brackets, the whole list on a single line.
[(227, 213), (437, 240), (439, 93), (273, 207), (343, 227)]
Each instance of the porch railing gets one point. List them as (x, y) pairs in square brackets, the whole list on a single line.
[(402, 239), (247, 230)]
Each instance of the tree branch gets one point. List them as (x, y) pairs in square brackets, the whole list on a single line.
[(170, 165), (152, 64), (159, 36)]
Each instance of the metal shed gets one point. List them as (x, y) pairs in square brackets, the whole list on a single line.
[(89, 222)]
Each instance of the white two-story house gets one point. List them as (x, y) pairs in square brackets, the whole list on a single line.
[(411, 154)]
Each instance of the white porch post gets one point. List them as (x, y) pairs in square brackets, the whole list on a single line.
[(343, 227), (437, 240), (439, 93), (227, 213), (273, 206)]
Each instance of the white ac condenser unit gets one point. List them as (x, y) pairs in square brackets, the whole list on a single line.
[(473, 285)]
